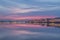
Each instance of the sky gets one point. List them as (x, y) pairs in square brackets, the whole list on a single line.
[(29, 8)]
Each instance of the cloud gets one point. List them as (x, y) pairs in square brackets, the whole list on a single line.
[(18, 17), (10, 3), (18, 10), (14, 7), (20, 7), (50, 8), (48, 0), (25, 10)]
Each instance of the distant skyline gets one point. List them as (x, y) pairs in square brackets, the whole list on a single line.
[(17, 8)]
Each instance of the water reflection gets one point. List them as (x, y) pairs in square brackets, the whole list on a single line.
[(29, 34)]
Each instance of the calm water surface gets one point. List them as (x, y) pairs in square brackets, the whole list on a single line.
[(28, 32)]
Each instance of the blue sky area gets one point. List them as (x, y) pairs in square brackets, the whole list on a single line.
[(30, 7)]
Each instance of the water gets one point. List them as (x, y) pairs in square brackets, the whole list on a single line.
[(28, 32)]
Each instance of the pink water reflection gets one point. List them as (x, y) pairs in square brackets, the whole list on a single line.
[(21, 25)]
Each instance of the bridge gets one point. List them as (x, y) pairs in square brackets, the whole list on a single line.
[(42, 21)]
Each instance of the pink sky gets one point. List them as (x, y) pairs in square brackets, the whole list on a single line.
[(15, 17)]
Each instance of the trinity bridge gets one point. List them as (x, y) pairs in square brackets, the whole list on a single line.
[(43, 22)]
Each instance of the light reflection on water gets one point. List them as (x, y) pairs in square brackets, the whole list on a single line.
[(30, 25), (28, 32)]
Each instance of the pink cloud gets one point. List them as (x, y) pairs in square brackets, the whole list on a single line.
[(16, 17), (19, 10)]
